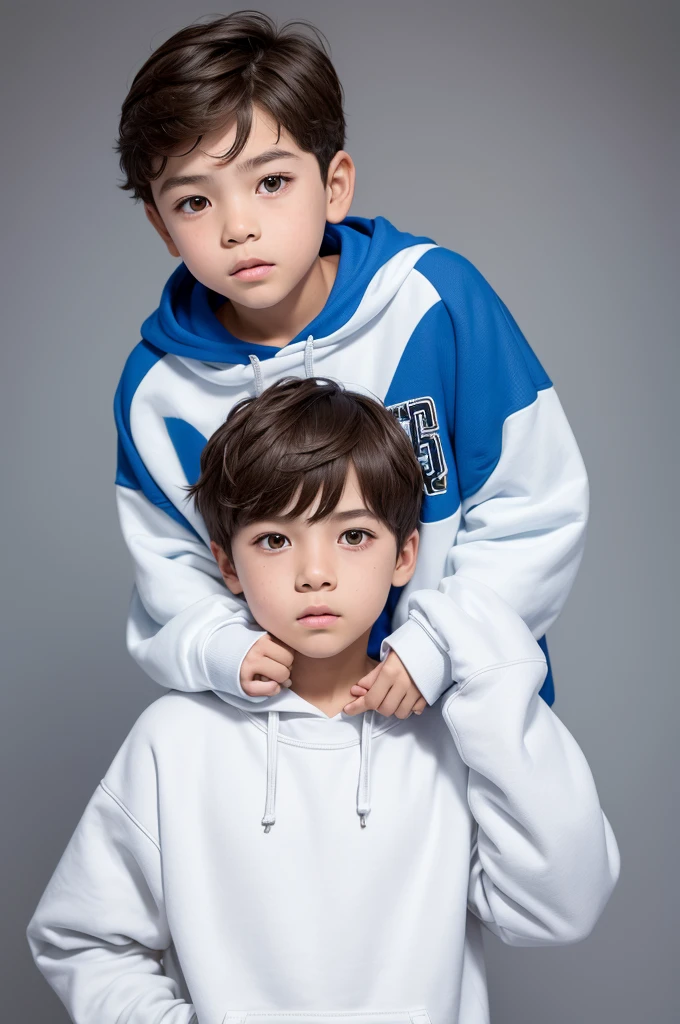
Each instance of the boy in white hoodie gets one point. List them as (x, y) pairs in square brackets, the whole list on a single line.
[(174, 903)]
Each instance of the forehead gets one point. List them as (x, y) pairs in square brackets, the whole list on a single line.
[(264, 135)]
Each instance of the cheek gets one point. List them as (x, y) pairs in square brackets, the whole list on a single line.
[(192, 240), (263, 585), (369, 581), (303, 220)]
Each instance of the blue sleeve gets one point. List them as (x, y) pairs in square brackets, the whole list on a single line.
[(496, 372), (131, 471)]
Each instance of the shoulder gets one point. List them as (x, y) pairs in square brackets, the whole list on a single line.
[(143, 357), (173, 722), (174, 730), (158, 738), (177, 714), (449, 272)]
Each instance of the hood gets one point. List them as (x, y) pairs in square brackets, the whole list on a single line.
[(289, 718), (185, 323)]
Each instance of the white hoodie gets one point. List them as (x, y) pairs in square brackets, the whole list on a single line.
[(173, 904)]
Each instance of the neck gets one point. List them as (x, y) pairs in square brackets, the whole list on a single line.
[(278, 325), (326, 682)]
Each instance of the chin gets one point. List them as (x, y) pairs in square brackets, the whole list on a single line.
[(320, 647), (257, 298)]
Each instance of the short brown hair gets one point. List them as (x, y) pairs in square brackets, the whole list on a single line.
[(210, 74), (299, 438)]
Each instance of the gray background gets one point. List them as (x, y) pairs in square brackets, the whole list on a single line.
[(536, 138)]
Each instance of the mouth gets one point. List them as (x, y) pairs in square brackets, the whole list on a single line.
[(251, 270), (318, 617)]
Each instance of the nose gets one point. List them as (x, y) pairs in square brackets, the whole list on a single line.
[(240, 223), (315, 573)]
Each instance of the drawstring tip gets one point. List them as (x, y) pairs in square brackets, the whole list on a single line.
[(267, 827), (362, 819)]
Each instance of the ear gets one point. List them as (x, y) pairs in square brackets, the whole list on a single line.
[(339, 186), (406, 560), (154, 217), (226, 568)]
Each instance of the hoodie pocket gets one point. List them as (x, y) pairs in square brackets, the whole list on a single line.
[(330, 1017)]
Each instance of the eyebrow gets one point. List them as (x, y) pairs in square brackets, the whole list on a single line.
[(353, 513), (251, 164), (179, 180), (254, 162)]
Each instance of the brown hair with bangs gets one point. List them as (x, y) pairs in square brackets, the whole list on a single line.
[(209, 75), (297, 440)]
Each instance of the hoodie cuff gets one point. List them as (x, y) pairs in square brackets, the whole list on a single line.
[(223, 654), (428, 666)]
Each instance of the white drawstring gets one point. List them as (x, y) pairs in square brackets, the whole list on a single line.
[(309, 356), (272, 750), (257, 374), (257, 366), (363, 788)]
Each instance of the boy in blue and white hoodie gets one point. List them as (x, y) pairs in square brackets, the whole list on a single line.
[(233, 136), (178, 901)]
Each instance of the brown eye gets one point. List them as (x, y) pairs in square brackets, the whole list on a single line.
[(353, 537), (272, 183), (195, 204), (275, 541)]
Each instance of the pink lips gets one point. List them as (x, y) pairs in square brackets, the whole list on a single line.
[(251, 270), (318, 617)]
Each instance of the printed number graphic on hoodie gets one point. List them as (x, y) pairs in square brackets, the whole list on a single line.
[(418, 417)]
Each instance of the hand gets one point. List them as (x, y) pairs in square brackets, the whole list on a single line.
[(387, 689), (266, 667)]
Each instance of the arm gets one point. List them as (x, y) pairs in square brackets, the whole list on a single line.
[(522, 483), (184, 628), (545, 859), (100, 929)]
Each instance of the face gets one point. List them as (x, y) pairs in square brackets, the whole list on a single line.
[(319, 587), (249, 229)]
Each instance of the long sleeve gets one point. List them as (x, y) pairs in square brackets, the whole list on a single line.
[(545, 859), (99, 931), (522, 482), (184, 627)]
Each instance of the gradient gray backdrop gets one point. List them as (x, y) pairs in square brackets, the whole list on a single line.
[(536, 138)]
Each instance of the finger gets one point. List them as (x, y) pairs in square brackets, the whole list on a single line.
[(368, 680), (407, 705), (355, 707), (270, 670), (419, 706), (261, 688), (287, 683), (396, 667), (379, 691), (357, 690), (394, 698), (278, 651)]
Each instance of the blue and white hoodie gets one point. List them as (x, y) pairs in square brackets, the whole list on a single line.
[(178, 902), (417, 326)]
